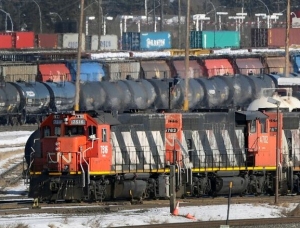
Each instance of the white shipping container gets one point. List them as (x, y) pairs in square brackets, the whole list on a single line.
[(70, 41), (94, 43), (109, 42)]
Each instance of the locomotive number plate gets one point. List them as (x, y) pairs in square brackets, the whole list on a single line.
[(78, 122), (57, 122), (171, 130)]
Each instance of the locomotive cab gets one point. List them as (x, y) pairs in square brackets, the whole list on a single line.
[(68, 141)]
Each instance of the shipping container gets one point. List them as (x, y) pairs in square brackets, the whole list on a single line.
[(276, 37), (108, 42), (214, 39), (70, 41), (153, 41), (6, 41), (250, 66), (89, 70), (155, 69), (276, 65), (259, 37), (296, 61), (53, 72), (47, 40), (18, 72), (23, 39), (131, 41), (218, 67), (115, 71), (91, 43), (178, 69)]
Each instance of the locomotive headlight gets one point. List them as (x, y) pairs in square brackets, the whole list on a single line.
[(66, 120), (57, 146)]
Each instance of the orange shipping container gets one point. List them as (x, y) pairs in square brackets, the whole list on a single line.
[(218, 67), (53, 72)]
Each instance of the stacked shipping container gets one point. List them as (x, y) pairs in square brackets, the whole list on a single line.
[(146, 41), (214, 39), (273, 37)]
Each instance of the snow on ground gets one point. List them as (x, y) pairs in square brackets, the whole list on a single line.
[(14, 137), (147, 216)]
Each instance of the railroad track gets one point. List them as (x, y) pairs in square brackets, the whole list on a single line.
[(232, 223), (11, 176)]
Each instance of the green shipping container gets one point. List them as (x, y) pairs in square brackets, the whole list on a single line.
[(214, 39)]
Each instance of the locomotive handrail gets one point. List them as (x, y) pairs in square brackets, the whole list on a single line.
[(82, 170)]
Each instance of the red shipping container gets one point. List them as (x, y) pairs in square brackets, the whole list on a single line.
[(23, 39), (54, 72), (276, 37), (47, 40), (6, 41)]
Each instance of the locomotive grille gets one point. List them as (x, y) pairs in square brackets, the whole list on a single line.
[(290, 122)]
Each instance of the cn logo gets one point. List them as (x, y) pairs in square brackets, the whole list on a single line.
[(66, 157)]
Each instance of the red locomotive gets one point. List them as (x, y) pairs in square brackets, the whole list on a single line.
[(81, 156)]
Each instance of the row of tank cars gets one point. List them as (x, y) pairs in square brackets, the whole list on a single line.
[(23, 102)]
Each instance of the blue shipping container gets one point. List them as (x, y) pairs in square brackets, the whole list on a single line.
[(89, 71), (153, 41), (131, 41), (297, 64)]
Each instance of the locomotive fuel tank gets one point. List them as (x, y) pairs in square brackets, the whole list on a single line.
[(34, 97), (62, 95), (220, 185)]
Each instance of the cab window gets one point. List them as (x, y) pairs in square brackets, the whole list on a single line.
[(104, 135), (57, 131), (263, 126), (253, 126), (92, 131), (74, 130), (47, 131)]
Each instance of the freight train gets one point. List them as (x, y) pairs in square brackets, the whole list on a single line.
[(23, 102), (77, 156)]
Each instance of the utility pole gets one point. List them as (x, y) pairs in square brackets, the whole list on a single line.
[(287, 39), (179, 25), (154, 16), (100, 17), (76, 106), (161, 14), (187, 56)]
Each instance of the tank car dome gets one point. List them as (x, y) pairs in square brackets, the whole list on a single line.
[(293, 101), (262, 103)]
